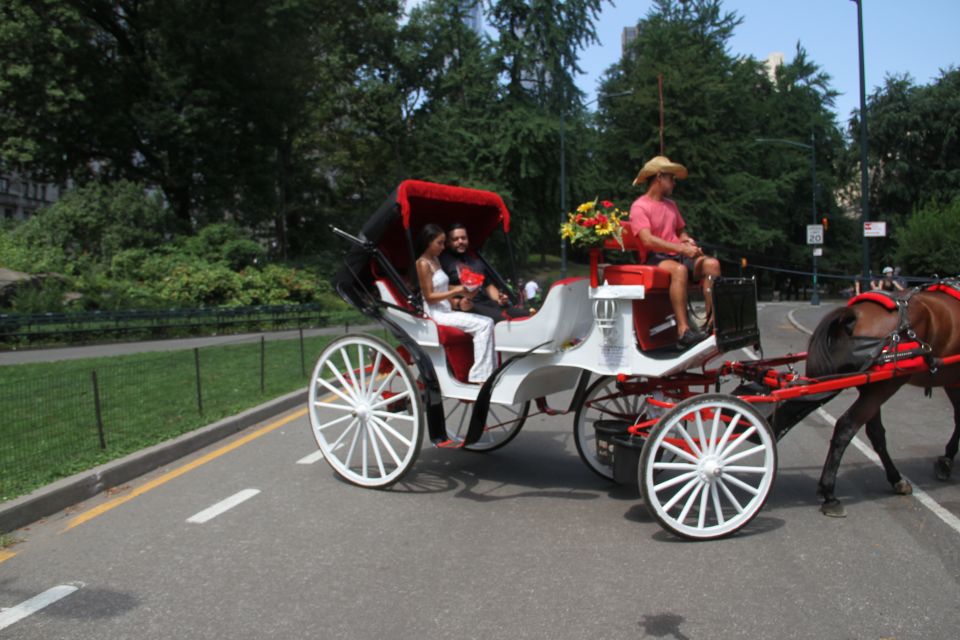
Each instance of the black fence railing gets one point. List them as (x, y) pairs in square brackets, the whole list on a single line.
[(64, 417), (98, 326)]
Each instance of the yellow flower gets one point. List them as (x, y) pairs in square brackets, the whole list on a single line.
[(585, 207), (566, 232)]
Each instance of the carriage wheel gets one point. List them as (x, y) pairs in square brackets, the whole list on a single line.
[(708, 466), (504, 422), (365, 411), (603, 401)]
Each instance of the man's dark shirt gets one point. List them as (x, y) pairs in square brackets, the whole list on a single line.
[(451, 261)]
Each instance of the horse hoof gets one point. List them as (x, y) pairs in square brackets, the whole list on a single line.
[(903, 487), (942, 467), (833, 509)]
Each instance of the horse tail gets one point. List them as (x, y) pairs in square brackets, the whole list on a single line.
[(830, 338)]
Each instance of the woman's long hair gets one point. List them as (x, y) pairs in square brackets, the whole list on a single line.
[(427, 235)]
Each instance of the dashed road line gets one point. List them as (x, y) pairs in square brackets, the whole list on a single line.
[(34, 604), (223, 506), (316, 456), (179, 471)]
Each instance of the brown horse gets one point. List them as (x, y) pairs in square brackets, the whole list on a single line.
[(934, 318)]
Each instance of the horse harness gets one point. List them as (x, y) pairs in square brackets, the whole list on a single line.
[(902, 347)]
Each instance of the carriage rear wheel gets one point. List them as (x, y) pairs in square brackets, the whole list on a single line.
[(708, 466), (504, 422), (602, 401), (365, 411)]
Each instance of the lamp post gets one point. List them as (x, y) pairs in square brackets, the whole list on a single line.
[(563, 173), (864, 176), (815, 296)]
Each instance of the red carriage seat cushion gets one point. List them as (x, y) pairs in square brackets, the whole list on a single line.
[(649, 276), (458, 345)]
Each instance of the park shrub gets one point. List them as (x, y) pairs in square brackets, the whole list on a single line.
[(929, 242)]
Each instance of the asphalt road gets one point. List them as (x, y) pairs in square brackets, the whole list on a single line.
[(524, 542)]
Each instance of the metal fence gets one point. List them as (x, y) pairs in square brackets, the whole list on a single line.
[(47, 328), (60, 418)]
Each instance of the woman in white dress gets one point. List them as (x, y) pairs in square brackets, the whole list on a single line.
[(442, 300)]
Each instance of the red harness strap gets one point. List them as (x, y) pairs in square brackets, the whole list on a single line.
[(901, 355), (944, 288), (882, 299)]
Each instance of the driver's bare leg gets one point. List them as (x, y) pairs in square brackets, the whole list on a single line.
[(678, 293), (706, 270)]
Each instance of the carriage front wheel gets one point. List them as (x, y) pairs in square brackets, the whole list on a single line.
[(708, 466), (365, 411)]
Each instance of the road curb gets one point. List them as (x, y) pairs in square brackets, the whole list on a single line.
[(55, 497)]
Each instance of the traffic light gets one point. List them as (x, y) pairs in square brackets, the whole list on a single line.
[(826, 223), (743, 263)]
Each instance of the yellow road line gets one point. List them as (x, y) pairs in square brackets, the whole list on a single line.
[(6, 555), (179, 471)]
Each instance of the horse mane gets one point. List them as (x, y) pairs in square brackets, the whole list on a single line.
[(821, 349)]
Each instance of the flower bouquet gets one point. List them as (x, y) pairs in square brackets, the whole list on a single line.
[(469, 278), (592, 224)]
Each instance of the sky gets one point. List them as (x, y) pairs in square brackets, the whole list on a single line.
[(919, 37)]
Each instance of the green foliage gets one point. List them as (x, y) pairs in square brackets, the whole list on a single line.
[(929, 243)]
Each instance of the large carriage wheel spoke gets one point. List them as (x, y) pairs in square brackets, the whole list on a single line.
[(336, 421), (332, 389), (387, 379), (394, 398), (681, 427), (387, 415), (744, 469), (704, 443), (729, 431), (676, 466), (666, 484), (684, 490), (691, 499), (729, 494), (712, 442), (374, 374), (371, 437), (377, 431), (715, 495), (348, 365), (361, 369), (350, 391), (740, 439), (743, 485), (704, 496), (331, 405), (743, 454), (396, 434), (669, 446)]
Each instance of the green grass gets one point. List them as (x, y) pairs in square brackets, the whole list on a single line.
[(49, 426)]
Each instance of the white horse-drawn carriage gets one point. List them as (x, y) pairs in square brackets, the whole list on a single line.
[(706, 461)]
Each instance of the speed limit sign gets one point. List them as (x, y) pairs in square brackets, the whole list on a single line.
[(814, 234)]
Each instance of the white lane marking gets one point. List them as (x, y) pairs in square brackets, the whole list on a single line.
[(316, 456), (796, 323), (224, 505), (753, 355), (34, 604), (925, 499)]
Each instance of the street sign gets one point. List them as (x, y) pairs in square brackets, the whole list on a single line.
[(874, 229), (818, 251), (814, 234)]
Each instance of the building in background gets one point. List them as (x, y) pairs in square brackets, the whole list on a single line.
[(773, 61), (21, 196), (473, 16), (628, 35)]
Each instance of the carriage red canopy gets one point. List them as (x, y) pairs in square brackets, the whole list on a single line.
[(394, 227)]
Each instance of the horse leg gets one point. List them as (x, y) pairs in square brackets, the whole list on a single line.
[(878, 438), (863, 409), (944, 464)]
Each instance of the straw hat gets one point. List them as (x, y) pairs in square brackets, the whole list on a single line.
[(660, 164)]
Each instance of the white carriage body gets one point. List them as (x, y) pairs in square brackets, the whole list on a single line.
[(578, 328)]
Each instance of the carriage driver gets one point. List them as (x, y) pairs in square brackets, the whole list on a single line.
[(489, 301), (656, 220)]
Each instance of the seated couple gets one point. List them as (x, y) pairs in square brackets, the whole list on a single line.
[(656, 220), (450, 303)]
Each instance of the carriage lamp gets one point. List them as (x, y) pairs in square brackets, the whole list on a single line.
[(605, 314)]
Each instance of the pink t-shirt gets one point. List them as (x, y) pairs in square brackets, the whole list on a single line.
[(662, 217)]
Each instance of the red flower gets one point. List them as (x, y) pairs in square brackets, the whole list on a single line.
[(579, 218), (601, 219), (606, 204)]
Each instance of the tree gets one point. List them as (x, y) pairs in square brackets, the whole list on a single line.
[(929, 242), (749, 198)]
